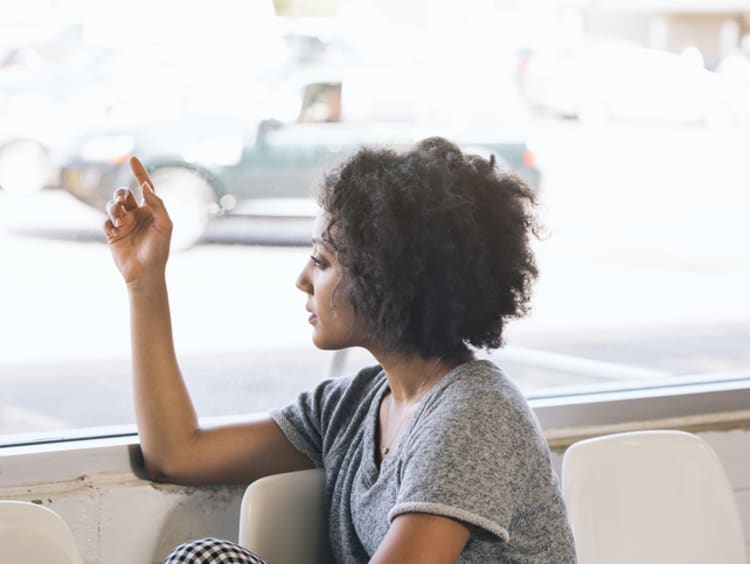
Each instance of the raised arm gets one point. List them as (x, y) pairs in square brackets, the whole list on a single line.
[(175, 448)]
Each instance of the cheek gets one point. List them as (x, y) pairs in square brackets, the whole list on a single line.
[(341, 301), (327, 288), (334, 300)]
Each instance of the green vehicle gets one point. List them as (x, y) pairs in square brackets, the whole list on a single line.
[(209, 169)]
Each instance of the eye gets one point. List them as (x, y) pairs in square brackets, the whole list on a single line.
[(318, 262)]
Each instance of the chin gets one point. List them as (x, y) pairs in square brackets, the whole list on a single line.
[(326, 346), (321, 342), (329, 344)]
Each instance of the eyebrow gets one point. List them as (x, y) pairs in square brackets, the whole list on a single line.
[(323, 242)]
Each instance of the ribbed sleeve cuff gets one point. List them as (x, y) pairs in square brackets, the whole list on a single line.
[(452, 512)]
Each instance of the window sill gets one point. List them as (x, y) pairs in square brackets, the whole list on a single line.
[(694, 404)]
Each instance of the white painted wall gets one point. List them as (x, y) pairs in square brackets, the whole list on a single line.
[(122, 520), (118, 518)]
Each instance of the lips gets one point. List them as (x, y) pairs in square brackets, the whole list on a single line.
[(313, 318)]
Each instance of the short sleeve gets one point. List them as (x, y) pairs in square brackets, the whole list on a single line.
[(475, 455), (315, 421), (303, 421)]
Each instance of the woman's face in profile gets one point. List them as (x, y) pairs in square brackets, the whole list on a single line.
[(324, 281)]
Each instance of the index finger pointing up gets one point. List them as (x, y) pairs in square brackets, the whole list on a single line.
[(139, 171)]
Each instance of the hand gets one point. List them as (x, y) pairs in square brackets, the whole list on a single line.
[(138, 235)]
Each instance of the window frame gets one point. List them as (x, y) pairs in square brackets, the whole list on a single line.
[(697, 403)]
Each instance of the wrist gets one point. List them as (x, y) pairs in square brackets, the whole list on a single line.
[(147, 285)]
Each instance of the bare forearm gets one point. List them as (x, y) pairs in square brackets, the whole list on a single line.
[(164, 412), (174, 448)]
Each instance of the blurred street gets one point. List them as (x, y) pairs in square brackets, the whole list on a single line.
[(645, 265)]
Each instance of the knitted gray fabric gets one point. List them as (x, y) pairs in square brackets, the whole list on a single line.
[(473, 451)]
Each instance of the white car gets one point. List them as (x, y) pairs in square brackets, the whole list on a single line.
[(598, 79)]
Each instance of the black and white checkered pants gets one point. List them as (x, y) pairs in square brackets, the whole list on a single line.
[(212, 551)]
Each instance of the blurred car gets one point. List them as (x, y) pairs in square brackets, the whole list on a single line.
[(45, 91), (205, 170), (597, 79), (210, 161)]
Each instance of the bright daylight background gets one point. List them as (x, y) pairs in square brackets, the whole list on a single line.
[(631, 119)]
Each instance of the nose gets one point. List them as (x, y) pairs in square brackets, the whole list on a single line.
[(303, 280)]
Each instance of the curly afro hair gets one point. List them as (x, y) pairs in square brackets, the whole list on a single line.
[(435, 245)]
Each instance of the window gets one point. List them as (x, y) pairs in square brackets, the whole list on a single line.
[(637, 154)]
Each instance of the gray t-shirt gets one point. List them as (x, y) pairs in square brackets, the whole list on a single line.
[(473, 451)]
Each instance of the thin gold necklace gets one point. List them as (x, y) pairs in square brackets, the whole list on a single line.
[(385, 449)]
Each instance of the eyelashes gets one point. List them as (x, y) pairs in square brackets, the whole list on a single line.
[(318, 262)]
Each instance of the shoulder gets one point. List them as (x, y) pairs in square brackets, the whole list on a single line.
[(335, 388), (333, 394), (362, 384), (337, 400), (478, 402), (477, 386)]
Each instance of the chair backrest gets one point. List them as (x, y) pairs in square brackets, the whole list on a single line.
[(33, 534), (652, 497), (283, 518)]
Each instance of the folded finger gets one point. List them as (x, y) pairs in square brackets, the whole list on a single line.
[(109, 229), (116, 211), (125, 196)]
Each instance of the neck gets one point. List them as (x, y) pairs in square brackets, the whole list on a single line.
[(410, 376)]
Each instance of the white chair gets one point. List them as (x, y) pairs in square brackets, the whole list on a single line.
[(652, 497), (33, 534), (283, 519)]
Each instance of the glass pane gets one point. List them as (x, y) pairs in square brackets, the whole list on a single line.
[(632, 128)]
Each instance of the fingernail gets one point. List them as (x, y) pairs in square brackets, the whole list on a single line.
[(146, 186), (117, 222)]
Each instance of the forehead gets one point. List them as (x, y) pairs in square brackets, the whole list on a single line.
[(319, 226), (321, 235)]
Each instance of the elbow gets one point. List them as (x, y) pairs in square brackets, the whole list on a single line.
[(166, 468), (153, 468), (155, 472)]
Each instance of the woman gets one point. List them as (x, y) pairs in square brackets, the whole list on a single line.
[(431, 456)]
